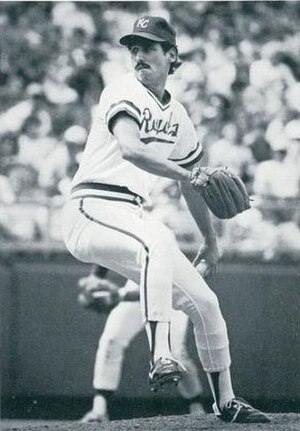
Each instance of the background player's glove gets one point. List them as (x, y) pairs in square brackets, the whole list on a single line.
[(224, 192), (98, 294)]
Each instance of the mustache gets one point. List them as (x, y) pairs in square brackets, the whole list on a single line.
[(141, 64)]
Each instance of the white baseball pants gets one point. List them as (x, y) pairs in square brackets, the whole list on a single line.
[(125, 239)]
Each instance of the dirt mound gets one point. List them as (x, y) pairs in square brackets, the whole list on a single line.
[(280, 422)]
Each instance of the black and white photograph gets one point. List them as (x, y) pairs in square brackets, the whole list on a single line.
[(150, 215)]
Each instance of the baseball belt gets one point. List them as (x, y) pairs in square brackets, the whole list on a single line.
[(106, 191)]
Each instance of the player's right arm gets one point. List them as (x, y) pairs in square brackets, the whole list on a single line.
[(126, 131)]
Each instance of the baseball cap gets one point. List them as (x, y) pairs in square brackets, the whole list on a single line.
[(76, 135), (153, 28)]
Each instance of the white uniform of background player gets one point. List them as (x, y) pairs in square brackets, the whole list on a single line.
[(139, 133), (124, 321)]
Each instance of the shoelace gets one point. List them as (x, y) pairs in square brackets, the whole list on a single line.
[(240, 405)]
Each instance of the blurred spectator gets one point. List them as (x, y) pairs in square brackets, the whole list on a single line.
[(275, 133), (221, 70), (248, 234), (292, 132), (258, 144), (34, 146), (35, 104), (7, 196), (9, 149), (57, 91), (60, 166), (67, 16), (230, 152), (40, 106), (23, 180), (262, 71), (292, 97), (25, 198), (86, 79), (280, 176), (13, 119)]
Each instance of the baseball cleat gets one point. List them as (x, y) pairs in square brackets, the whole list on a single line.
[(165, 371), (240, 411), (94, 416)]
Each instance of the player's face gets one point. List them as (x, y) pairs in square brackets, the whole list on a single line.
[(151, 64)]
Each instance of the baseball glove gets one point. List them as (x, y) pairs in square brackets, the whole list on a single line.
[(224, 192), (98, 294)]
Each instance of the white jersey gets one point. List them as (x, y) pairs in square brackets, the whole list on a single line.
[(166, 127)]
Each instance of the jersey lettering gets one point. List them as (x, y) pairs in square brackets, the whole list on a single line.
[(150, 124)]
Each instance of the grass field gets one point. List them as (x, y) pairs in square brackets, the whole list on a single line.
[(279, 422)]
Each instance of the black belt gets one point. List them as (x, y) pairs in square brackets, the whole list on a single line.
[(106, 191)]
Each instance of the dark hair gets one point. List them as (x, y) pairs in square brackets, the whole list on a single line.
[(166, 46)]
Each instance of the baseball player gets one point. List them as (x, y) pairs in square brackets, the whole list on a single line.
[(140, 133), (124, 322)]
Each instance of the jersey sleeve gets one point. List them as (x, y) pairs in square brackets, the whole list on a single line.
[(117, 98), (188, 150)]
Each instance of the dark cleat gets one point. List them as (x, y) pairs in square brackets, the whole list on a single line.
[(240, 411), (165, 371)]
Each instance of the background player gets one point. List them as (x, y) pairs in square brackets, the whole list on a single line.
[(140, 133), (123, 324)]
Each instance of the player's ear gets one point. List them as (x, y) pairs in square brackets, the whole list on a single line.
[(173, 54)]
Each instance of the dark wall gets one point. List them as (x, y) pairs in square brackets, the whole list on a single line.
[(49, 341)]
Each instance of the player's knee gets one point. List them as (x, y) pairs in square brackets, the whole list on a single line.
[(210, 301), (78, 250), (205, 303)]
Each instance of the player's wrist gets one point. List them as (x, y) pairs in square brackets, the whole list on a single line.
[(210, 237), (187, 176)]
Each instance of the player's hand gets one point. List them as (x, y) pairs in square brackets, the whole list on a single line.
[(198, 178), (206, 260)]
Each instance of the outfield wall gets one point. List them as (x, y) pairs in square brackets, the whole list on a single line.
[(49, 341)]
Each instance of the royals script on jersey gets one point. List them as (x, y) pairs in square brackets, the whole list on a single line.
[(166, 127)]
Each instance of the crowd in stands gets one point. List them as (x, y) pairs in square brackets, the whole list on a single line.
[(241, 87)]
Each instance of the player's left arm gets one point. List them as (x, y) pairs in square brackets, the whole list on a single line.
[(208, 251)]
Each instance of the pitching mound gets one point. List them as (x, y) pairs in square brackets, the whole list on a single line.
[(280, 422)]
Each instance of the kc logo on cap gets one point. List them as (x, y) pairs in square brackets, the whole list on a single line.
[(142, 22), (153, 28)]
